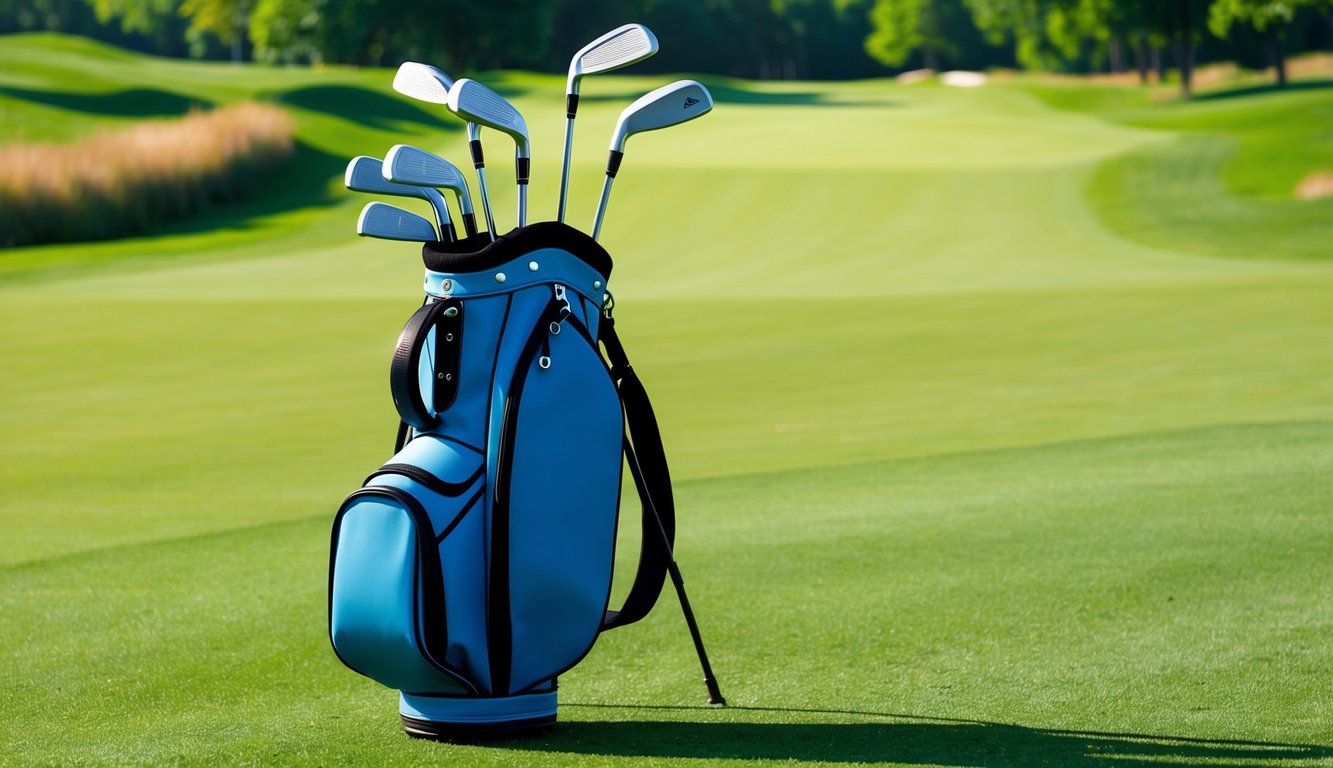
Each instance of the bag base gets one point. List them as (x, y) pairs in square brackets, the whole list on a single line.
[(476, 719)]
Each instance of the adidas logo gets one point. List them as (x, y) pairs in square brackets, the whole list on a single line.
[(689, 102)]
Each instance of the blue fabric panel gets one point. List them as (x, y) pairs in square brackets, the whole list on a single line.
[(463, 555), (563, 509), (474, 710), (374, 603), (553, 266)]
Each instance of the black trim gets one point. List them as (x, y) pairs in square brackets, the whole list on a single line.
[(426, 479), (440, 257), (571, 105), (500, 640), (490, 406), (448, 356), (458, 518), (521, 169), (456, 441), (431, 642), (469, 732)]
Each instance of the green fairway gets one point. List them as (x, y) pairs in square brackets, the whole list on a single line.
[(1001, 421)]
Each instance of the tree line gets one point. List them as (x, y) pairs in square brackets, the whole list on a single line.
[(766, 39)]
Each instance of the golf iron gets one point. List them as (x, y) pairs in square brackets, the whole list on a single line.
[(430, 84), (669, 105), (405, 164), (478, 104), (366, 174), (618, 48), (389, 222)]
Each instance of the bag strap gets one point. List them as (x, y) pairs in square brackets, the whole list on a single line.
[(648, 466)]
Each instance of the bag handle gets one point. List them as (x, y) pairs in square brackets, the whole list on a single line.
[(648, 466), (445, 318)]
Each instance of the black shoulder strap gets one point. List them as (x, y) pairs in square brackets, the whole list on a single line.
[(648, 465)]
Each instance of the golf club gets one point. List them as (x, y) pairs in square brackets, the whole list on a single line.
[(389, 222), (366, 174), (618, 48), (430, 84), (405, 164), (478, 104), (669, 105)]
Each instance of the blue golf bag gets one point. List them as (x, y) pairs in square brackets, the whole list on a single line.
[(474, 567)]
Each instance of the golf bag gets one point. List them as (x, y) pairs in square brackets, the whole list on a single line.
[(474, 567)]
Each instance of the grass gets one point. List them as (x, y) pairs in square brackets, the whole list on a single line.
[(968, 474)]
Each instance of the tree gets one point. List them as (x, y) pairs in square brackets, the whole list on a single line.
[(936, 29), (1268, 17), (227, 20), (1052, 34)]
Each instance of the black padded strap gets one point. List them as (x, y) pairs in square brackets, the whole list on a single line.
[(445, 318), (652, 479)]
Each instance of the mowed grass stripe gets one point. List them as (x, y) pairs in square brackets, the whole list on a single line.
[(137, 420), (943, 587)]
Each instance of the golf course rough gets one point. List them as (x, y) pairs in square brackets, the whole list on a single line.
[(978, 460)]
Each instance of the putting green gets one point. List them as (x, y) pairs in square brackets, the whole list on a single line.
[(978, 463)]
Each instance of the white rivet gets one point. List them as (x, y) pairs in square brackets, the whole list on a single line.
[(532, 266), (500, 277), (451, 312), (597, 285), (447, 285)]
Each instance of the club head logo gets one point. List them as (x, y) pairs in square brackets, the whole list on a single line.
[(690, 101)]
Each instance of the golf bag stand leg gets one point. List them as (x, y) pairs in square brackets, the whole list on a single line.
[(643, 426)]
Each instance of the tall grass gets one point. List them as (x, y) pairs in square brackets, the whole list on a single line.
[(127, 181)]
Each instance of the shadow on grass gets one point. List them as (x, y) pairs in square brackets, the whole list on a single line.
[(301, 182), (918, 741), (725, 94), (134, 102), (367, 107), (1254, 90)]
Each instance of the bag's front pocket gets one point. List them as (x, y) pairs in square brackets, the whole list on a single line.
[(389, 612)]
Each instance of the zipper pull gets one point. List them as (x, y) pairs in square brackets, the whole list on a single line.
[(565, 309)]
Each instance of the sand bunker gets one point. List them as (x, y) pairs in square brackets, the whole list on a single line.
[(1316, 185)]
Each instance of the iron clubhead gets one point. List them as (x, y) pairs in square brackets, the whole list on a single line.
[(406, 164), (478, 104), (669, 105), (618, 48), (366, 174), (389, 222), (422, 82)]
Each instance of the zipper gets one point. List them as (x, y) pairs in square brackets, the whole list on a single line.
[(501, 641)]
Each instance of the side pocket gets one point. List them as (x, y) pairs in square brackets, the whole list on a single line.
[(386, 594)]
